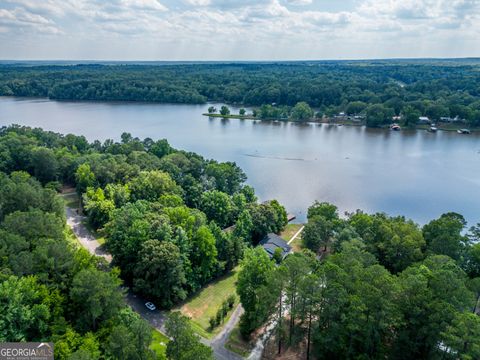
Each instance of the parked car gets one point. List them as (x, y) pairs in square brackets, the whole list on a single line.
[(150, 306)]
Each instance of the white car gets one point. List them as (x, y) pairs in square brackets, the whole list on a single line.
[(150, 306)]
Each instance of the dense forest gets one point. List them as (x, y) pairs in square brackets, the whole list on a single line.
[(377, 90), (384, 288), (162, 212), (365, 286)]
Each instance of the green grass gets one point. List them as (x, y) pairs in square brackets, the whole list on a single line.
[(159, 344), (101, 240), (70, 236), (205, 304), (297, 244), (236, 343), (290, 230), (287, 234)]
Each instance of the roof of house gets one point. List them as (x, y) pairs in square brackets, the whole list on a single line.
[(272, 241)]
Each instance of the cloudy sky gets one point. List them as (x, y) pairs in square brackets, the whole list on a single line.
[(238, 29)]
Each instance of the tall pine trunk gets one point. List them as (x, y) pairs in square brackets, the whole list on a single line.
[(308, 335)]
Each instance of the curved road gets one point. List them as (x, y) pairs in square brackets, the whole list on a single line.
[(156, 318)]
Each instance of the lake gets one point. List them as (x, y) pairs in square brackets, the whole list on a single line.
[(413, 173)]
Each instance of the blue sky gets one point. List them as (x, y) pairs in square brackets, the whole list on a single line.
[(238, 29)]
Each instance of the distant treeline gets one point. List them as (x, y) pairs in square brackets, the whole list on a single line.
[(379, 89)]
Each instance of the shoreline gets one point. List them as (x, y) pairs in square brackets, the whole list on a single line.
[(445, 127)]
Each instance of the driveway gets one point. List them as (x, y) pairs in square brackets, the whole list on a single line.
[(84, 236), (219, 341), (156, 318)]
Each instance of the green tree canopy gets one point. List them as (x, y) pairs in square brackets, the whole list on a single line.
[(159, 273)]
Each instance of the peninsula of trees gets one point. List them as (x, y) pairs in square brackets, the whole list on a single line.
[(377, 90)]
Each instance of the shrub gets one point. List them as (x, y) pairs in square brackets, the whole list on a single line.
[(219, 317), (213, 322), (224, 309), (231, 301)]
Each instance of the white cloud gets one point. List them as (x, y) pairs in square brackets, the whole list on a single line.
[(242, 28), (197, 2), (22, 21), (145, 5), (299, 2)]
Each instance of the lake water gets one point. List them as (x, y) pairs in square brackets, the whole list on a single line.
[(412, 173)]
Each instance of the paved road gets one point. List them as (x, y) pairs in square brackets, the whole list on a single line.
[(218, 343), (155, 318)]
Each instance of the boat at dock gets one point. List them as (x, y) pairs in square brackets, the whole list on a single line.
[(463, 131)]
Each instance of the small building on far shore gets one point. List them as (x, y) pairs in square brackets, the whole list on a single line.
[(424, 120), (448, 119), (271, 242)]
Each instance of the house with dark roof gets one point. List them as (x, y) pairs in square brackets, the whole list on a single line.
[(271, 242)]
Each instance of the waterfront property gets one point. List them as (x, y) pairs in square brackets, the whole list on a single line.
[(293, 162), (271, 242)]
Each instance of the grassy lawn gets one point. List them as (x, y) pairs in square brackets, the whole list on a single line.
[(290, 230), (205, 304), (287, 234), (159, 344), (297, 244), (236, 343)]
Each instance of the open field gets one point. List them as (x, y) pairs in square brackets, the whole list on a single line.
[(205, 304)]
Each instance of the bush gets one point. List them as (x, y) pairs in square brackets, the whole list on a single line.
[(231, 301), (224, 309), (219, 317), (54, 185), (213, 322)]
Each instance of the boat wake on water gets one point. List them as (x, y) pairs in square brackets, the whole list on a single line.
[(275, 157)]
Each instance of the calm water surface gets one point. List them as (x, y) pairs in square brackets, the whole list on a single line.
[(417, 174)]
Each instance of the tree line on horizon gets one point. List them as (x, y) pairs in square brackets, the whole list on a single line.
[(377, 90)]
